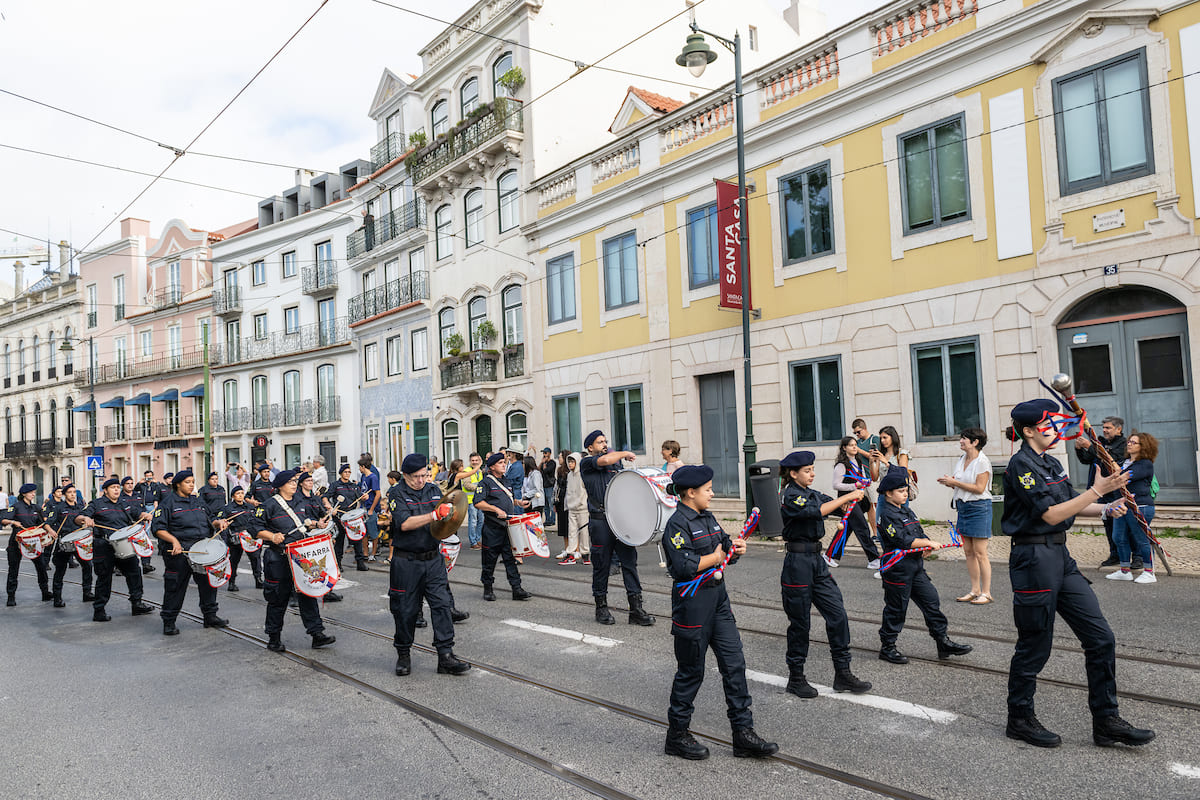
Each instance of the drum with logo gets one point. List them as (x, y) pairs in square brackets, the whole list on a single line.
[(527, 536), (355, 523), (211, 557), (80, 542), (450, 547), (119, 539), (31, 542), (637, 505), (248, 542), (143, 545)]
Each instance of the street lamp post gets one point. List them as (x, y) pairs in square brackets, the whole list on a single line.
[(67, 347), (696, 56)]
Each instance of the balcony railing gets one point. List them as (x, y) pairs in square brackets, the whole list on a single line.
[(31, 448), (476, 367), (168, 429), (306, 337), (393, 294), (119, 311), (140, 429), (278, 415), (193, 426), (320, 279), (15, 449), (227, 300), (115, 433), (514, 361), (386, 150), (125, 370), (409, 216), (93, 319), (85, 437), (165, 298), (503, 118)]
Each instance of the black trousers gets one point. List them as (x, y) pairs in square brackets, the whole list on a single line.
[(177, 573), (279, 585), (857, 522), (495, 548), (698, 623), (235, 558), (104, 561), (906, 580), (61, 559), (14, 567), (805, 583), (1045, 580), (339, 546), (412, 580), (604, 543)]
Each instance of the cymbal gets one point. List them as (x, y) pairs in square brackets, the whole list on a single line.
[(444, 528)]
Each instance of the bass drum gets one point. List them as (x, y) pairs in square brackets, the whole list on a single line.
[(637, 505)]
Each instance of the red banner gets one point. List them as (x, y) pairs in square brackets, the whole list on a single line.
[(729, 248)]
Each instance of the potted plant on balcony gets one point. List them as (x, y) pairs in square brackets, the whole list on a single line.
[(454, 344), (418, 139), (512, 80), (485, 333)]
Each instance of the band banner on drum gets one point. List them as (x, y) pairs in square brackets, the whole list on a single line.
[(314, 567), (250, 544), (219, 574), (141, 542), (30, 542)]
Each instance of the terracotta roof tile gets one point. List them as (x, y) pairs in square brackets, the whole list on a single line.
[(656, 101)]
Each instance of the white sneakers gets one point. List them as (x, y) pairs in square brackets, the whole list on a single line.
[(829, 560), (873, 564), (1119, 575), (1146, 577), (878, 576)]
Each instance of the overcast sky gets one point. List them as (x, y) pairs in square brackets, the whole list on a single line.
[(163, 70)]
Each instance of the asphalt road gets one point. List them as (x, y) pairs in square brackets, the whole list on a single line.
[(116, 709)]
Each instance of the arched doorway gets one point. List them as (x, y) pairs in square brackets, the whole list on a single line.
[(483, 434), (1127, 351)]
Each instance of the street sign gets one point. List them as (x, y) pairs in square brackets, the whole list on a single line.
[(95, 463)]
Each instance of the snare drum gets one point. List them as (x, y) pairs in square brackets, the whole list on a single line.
[(355, 523), (30, 543), (80, 541), (637, 505), (210, 557), (450, 547), (119, 539), (527, 536)]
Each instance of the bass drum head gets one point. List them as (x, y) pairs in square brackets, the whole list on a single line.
[(631, 508)]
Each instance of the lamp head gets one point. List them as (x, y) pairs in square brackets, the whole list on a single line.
[(66, 347), (696, 55)]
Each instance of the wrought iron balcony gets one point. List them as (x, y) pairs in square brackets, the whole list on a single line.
[(473, 368), (328, 410), (168, 429), (514, 360), (47, 447), (388, 148), (124, 370), (393, 294), (15, 449), (193, 426), (115, 433), (165, 298), (231, 420), (321, 279), (140, 429), (306, 337), (500, 127), (227, 301), (278, 415), (410, 216), (84, 437)]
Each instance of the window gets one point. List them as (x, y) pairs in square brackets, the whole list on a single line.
[(260, 326), (326, 323), (416, 261), (420, 431), (948, 389), (391, 271), (291, 319), (231, 280), (449, 440), (1102, 124), (473, 204), (371, 361), (620, 271), (395, 444), (233, 340), (392, 126), (37, 353), (817, 401), (327, 397), (807, 215), (120, 355), (291, 397), (568, 426), (204, 331), (172, 417), (174, 281), (260, 394), (702, 246), (51, 351), (506, 187), (500, 66), (118, 297), (7, 361), (395, 355), (445, 328), (933, 176), (146, 344), (476, 313), (514, 316), (69, 356), (560, 289), (324, 254), (468, 97), (258, 273), (518, 430), (92, 307), (440, 117), (628, 432), (119, 423), (752, 35), (420, 349), (175, 345), (441, 224), (289, 264), (368, 280)]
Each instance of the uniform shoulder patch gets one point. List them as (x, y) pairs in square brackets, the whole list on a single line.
[(158, 512), (891, 529), (677, 540), (1027, 480), (801, 501)]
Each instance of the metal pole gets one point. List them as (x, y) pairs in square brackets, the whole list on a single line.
[(94, 416), (208, 455), (749, 447)]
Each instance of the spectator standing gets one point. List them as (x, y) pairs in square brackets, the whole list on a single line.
[(548, 468), (579, 543), (532, 488), (235, 476), (867, 442), (320, 475), (560, 502), (1112, 439), (971, 482), (670, 453), (843, 484), (514, 474), (1127, 531), (469, 479), (368, 484)]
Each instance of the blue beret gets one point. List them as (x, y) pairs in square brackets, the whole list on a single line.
[(591, 437), (68, 486), (303, 476), (343, 468), (126, 480), (494, 457), (108, 483), (30, 487), (1031, 412), (206, 477), (896, 478), (284, 477), (237, 489), (691, 476), (798, 458), (181, 476), (413, 462), (260, 466)]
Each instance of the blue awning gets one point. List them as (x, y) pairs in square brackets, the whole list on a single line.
[(195, 391), (116, 402), (169, 394), (142, 399), (85, 408)]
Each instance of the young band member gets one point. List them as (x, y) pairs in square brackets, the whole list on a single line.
[(806, 581), (417, 569), (1039, 507), (343, 496), (597, 469), (136, 507), (495, 500), (212, 494), (25, 513), (180, 521), (104, 515), (62, 519), (900, 530), (694, 542), (261, 488), (277, 521), (237, 515)]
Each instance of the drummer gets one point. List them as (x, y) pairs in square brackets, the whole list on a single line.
[(104, 515), (597, 469), (25, 514), (496, 501), (344, 496), (417, 568), (136, 505), (49, 506), (212, 494), (315, 507), (277, 521), (236, 514), (62, 519), (181, 521)]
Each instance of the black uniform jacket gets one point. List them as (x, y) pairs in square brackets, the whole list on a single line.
[(492, 490), (405, 502), (271, 517), (595, 481), (801, 510), (185, 518), (1032, 484), (213, 497), (110, 514)]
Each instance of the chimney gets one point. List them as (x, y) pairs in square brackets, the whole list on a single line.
[(18, 278), (131, 226), (64, 261)]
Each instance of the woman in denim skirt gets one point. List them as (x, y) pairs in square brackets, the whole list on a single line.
[(971, 483)]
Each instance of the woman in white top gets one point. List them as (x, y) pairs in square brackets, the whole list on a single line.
[(973, 499)]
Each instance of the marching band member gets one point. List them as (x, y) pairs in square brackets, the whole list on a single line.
[(417, 568), (136, 506), (63, 521), (806, 581), (597, 469), (25, 514), (237, 515), (261, 488), (181, 520), (1039, 507), (212, 494), (276, 521), (344, 496), (49, 506), (495, 500), (314, 506), (694, 542), (900, 530), (106, 514)]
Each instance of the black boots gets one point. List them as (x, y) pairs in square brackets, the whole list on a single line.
[(680, 742), (844, 681), (459, 616), (169, 628), (637, 614), (603, 615), (889, 653), (140, 608), (47, 595), (88, 595), (98, 615), (798, 685), (520, 594), (58, 601), (258, 584), (403, 663), (488, 594), (322, 639), (748, 744), (275, 645), (333, 597), (1108, 731), (947, 648), (147, 569), (1028, 729), (12, 600), (421, 623), (213, 621), (450, 664), (233, 585)]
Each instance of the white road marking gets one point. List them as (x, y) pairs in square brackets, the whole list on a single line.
[(245, 571), (344, 584), (1186, 771), (586, 638), (872, 700)]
